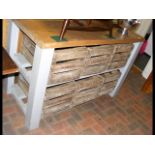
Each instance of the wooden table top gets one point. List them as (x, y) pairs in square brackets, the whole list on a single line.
[(42, 32), (9, 67)]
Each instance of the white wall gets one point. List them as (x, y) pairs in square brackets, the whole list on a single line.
[(148, 68), (148, 49), (143, 26)]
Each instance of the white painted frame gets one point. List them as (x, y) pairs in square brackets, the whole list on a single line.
[(38, 82), (38, 78), (13, 35), (125, 70)]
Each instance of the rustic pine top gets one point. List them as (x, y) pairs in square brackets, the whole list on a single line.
[(42, 31), (9, 67)]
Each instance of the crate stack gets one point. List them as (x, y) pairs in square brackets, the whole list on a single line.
[(78, 74)]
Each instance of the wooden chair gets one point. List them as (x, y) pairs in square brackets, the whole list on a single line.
[(107, 25)]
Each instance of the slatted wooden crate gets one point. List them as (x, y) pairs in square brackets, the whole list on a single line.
[(110, 76), (64, 105), (98, 60), (101, 50), (109, 81), (65, 96), (117, 64), (70, 54), (121, 54), (60, 90), (87, 83), (123, 48), (22, 83), (63, 77), (27, 54), (58, 104), (107, 88), (89, 70), (29, 44), (67, 64), (84, 96), (58, 100)]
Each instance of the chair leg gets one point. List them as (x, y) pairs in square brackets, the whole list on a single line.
[(64, 27)]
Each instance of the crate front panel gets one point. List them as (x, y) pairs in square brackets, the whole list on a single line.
[(84, 96), (107, 87), (29, 44), (79, 91), (88, 83), (23, 84), (121, 54), (56, 91)]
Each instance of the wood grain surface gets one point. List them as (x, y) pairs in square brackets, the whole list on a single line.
[(42, 31), (9, 67)]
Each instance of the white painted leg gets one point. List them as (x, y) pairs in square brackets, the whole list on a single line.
[(38, 82), (13, 33), (126, 69)]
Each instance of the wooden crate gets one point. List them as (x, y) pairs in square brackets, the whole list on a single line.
[(117, 64), (67, 64), (88, 83), (58, 100), (68, 95), (22, 83), (98, 60), (101, 50), (107, 88), (121, 48), (57, 108), (121, 56), (70, 54), (89, 70), (27, 54), (29, 44), (84, 96), (110, 76), (109, 81), (60, 90), (62, 77)]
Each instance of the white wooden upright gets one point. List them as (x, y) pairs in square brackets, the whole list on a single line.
[(13, 34), (38, 77), (38, 81)]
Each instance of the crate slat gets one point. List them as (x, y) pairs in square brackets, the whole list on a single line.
[(57, 78), (60, 90), (70, 54), (117, 64), (58, 108), (101, 50), (84, 96), (87, 83), (67, 98), (67, 66), (124, 48), (93, 70)]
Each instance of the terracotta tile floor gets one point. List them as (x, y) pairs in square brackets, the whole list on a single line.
[(128, 113)]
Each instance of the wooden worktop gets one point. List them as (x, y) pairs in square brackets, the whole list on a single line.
[(42, 31), (9, 67)]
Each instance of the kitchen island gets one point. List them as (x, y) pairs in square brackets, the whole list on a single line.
[(58, 75)]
